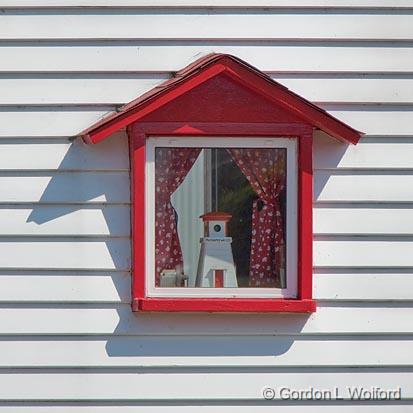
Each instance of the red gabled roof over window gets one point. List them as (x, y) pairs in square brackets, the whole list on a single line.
[(216, 67)]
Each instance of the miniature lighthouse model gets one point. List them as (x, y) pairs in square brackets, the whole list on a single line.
[(216, 264)]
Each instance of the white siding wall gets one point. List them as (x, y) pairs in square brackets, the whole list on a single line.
[(68, 340)]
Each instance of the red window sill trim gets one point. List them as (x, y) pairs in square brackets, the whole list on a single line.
[(235, 305)]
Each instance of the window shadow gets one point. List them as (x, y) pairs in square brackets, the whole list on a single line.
[(84, 182), (214, 345), (327, 154)]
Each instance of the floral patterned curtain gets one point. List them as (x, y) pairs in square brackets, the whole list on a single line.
[(265, 171), (171, 167)]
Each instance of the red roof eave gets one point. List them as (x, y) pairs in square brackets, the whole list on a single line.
[(164, 92)]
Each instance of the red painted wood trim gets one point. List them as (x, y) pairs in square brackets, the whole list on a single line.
[(305, 215), (138, 159), (304, 302), (294, 103), (236, 305), (221, 129), (133, 115), (205, 69)]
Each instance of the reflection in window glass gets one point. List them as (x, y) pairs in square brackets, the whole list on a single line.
[(219, 217)]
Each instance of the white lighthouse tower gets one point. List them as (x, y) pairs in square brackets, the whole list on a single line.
[(216, 264)]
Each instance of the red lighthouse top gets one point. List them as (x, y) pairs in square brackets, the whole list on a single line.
[(216, 216)]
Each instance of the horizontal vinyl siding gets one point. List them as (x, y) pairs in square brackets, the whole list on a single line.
[(351, 318), (241, 4), (143, 55), (64, 155), (73, 286), (204, 24), (171, 407), (65, 220), (116, 88), (68, 339), (262, 351), (215, 385)]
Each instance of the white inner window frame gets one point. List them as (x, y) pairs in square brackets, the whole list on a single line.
[(291, 236)]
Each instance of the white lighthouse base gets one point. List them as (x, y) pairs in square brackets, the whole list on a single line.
[(216, 255)]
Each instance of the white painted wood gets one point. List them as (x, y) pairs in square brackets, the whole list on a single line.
[(347, 318), (365, 221), (397, 4), (109, 254), (74, 187), (122, 88), (174, 407), (354, 89), (371, 186), (353, 252), (206, 24), (63, 288), (376, 121), (189, 386), (111, 154), (53, 121), (172, 352), (380, 153), (355, 285), (66, 121), (114, 287), (65, 220), (142, 56), (64, 89)]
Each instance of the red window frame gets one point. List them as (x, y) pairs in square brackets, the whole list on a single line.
[(303, 133)]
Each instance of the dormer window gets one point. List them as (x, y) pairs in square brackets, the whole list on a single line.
[(221, 190)]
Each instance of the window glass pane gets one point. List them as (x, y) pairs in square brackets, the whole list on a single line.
[(220, 217)]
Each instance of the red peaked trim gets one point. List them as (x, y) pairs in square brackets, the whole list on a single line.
[(204, 69)]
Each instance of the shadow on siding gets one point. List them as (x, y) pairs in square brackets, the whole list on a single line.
[(330, 152), (83, 184), (160, 335), (199, 346)]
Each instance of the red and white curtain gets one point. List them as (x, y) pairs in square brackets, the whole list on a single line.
[(265, 171), (171, 167)]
